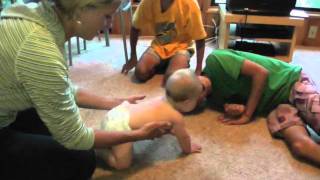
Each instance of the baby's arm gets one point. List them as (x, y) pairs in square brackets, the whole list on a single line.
[(184, 138)]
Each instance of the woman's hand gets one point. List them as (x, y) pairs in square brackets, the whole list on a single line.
[(104, 139), (154, 130), (133, 99)]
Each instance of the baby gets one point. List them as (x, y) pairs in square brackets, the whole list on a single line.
[(183, 90)]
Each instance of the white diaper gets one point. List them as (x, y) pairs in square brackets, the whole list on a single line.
[(117, 119)]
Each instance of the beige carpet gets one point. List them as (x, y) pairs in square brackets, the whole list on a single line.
[(229, 152)]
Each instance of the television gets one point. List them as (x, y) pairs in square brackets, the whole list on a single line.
[(261, 7), (309, 5)]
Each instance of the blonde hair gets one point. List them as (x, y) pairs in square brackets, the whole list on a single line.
[(70, 7)]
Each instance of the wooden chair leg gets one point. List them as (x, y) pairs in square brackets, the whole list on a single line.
[(78, 45), (106, 36), (99, 35), (84, 44)]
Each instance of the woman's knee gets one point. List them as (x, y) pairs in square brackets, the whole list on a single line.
[(86, 162)]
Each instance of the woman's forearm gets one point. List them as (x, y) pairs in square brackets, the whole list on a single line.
[(87, 99), (105, 139), (148, 131)]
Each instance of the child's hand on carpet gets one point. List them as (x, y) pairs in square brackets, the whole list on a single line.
[(129, 65)]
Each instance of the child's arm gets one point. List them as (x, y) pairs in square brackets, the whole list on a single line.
[(183, 137), (259, 76)]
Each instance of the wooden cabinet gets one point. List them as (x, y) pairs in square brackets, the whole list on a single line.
[(227, 18)]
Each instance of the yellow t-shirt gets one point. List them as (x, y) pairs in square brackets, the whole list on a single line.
[(175, 29)]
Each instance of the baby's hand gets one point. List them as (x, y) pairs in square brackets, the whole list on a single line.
[(195, 148), (234, 109)]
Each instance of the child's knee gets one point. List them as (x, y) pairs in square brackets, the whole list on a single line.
[(142, 73), (119, 163), (120, 156), (122, 165)]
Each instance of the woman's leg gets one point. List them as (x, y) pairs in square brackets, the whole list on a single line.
[(27, 154), (28, 121)]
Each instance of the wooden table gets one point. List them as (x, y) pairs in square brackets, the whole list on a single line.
[(227, 18)]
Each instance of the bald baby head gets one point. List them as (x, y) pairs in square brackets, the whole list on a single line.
[(183, 89)]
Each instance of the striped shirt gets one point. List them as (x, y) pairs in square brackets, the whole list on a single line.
[(34, 74)]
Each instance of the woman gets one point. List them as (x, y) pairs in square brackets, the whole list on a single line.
[(42, 135)]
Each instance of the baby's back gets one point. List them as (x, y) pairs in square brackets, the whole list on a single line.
[(156, 109)]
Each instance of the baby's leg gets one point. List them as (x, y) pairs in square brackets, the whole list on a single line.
[(301, 143), (120, 156)]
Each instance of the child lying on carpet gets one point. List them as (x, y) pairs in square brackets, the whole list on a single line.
[(183, 90), (259, 84)]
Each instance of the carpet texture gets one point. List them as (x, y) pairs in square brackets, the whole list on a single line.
[(229, 152)]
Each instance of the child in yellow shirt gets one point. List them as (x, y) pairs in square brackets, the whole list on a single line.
[(175, 24)]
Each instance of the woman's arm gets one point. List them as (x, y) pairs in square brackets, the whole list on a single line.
[(104, 139), (87, 99)]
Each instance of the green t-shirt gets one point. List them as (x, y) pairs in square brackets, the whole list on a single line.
[(223, 67)]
